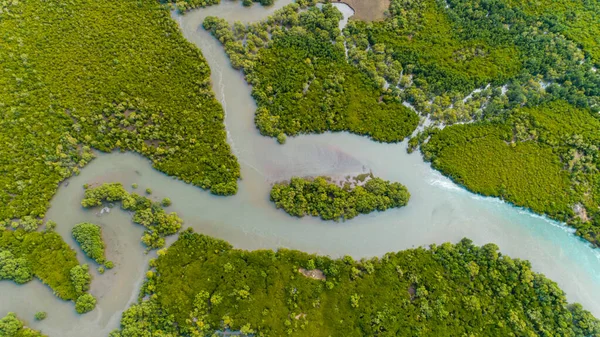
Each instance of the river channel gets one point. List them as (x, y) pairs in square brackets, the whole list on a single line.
[(438, 211)]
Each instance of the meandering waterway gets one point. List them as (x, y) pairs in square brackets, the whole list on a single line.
[(438, 211)]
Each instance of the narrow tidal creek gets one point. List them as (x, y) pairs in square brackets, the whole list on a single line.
[(438, 211)]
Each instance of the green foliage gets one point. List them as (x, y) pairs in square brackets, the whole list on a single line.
[(50, 226), (40, 315), (111, 192), (85, 303), (49, 257), (148, 191), (281, 138), (544, 158), (166, 202), (185, 5), (483, 159), (89, 237), (422, 39), (571, 18), (151, 215), (81, 278), (417, 292), (146, 316), (319, 91), (433, 53), (318, 197), (107, 75), (109, 265), (430, 53), (11, 326), (16, 269)]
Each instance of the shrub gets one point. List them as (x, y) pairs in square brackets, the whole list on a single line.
[(40, 315), (166, 202), (85, 303), (89, 237)]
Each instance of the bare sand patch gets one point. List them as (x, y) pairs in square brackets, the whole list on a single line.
[(313, 273), (368, 10)]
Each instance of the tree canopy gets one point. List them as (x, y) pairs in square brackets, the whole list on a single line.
[(200, 285), (106, 75), (44, 255), (11, 326), (544, 158), (149, 214), (319, 197), (89, 238), (301, 81)]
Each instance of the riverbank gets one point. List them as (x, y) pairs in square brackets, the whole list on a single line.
[(439, 210)]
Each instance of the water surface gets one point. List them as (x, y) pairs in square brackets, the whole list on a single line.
[(439, 211)]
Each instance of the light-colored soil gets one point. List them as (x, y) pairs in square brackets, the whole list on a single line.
[(368, 10), (581, 212), (314, 274)]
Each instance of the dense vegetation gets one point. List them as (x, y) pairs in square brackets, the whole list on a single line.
[(544, 158), (185, 5), (301, 81), (15, 269), (89, 237), (108, 75), (430, 53), (319, 197), (534, 143), (420, 40), (574, 19), (46, 256), (201, 284), (434, 53), (11, 326), (149, 214), (113, 75), (85, 303)]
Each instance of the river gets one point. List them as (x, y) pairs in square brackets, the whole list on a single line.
[(439, 211)]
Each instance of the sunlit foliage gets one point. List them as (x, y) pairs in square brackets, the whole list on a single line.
[(202, 285), (11, 326), (16, 269), (433, 53), (149, 214), (108, 75), (89, 238), (301, 81), (85, 303), (319, 197), (185, 5), (45, 256), (544, 158), (575, 19)]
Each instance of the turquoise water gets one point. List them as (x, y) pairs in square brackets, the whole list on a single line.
[(438, 211)]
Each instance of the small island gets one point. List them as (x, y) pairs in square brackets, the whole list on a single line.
[(45, 256), (321, 197), (149, 214), (12, 326), (89, 237)]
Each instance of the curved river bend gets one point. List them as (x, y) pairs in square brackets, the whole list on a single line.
[(438, 211)]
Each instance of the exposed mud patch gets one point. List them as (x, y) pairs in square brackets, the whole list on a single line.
[(368, 10), (315, 274)]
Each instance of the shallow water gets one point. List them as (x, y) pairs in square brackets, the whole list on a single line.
[(439, 211)]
